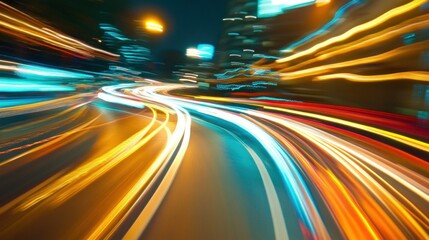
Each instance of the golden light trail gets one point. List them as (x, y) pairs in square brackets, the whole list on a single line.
[(93, 168), (34, 31), (320, 3), (114, 157), (390, 55), (56, 125), (117, 216), (357, 161), (424, 146), (56, 141), (148, 212), (380, 37), (154, 26), (45, 105), (49, 146), (302, 198), (355, 217), (178, 140), (365, 188), (411, 25), (358, 29), (414, 75)]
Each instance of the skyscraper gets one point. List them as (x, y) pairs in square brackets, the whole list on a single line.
[(241, 37)]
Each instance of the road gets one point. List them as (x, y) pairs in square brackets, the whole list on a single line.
[(142, 161)]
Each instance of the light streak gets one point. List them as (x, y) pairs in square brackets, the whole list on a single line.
[(417, 76), (31, 30), (390, 55), (293, 180), (358, 29), (45, 105), (366, 42), (154, 26), (358, 160), (338, 15), (393, 136), (178, 140), (119, 100), (88, 172), (368, 189), (11, 85)]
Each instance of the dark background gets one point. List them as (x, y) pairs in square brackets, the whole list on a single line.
[(187, 22)]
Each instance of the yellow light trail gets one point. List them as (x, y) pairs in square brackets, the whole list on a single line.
[(412, 75), (56, 143), (358, 29), (107, 226), (45, 105), (411, 25), (53, 141), (366, 60), (32, 30), (398, 30), (90, 171), (113, 158), (357, 161), (55, 125)]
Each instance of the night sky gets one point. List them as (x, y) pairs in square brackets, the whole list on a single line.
[(188, 22)]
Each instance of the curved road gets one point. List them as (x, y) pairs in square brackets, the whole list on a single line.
[(137, 161)]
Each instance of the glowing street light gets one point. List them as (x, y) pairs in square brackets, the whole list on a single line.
[(154, 26)]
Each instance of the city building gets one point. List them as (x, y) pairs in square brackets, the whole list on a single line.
[(241, 37), (264, 29)]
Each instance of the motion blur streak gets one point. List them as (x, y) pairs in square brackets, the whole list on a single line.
[(179, 140), (338, 15), (293, 180), (363, 27), (346, 169), (29, 29), (417, 76), (46, 105), (396, 137), (309, 167), (354, 159), (407, 26), (390, 55), (366, 230), (114, 99), (414, 24)]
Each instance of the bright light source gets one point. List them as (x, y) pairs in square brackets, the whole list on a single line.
[(320, 3), (193, 53), (154, 26), (271, 8), (206, 51)]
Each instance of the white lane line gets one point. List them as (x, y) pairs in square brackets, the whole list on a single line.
[(279, 224)]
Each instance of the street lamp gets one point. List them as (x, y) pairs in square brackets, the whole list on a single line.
[(154, 26)]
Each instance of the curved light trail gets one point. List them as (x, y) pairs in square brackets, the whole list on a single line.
[(316, 177)]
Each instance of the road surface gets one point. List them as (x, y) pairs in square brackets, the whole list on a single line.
[(139, 161)]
